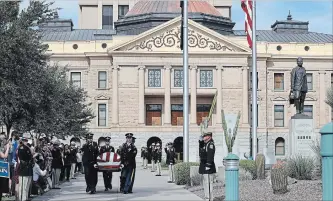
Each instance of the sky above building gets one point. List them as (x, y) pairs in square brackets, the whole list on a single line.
[(318, 13)]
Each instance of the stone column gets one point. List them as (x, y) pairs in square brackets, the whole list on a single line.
[(193, 107), (167, 95), (245, 114), (322, 97), (142, 95), (100, 13), (219, 70), (115, 113)]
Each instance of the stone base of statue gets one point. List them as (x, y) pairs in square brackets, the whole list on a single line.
[(301, 135), (270, 158)]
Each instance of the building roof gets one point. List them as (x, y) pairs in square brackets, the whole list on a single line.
[(78, 35), (145, 7), (272, 36)]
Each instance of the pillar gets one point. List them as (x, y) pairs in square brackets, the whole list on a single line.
[(322, 97), (115, 97), (245, 115), (193, 92), (167, 96), (219, 70), (326, 151), (231, 163), (142, 95), (100, 14)]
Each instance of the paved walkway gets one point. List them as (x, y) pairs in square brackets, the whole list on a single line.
[(146, 187)]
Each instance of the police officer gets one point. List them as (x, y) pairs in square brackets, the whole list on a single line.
[(207, 166), (107, 175), (170, 160), (128, 154), (25, 172), (152, 154), (89, 160), (158, 158)]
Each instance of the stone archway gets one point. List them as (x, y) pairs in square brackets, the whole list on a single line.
[(178, 145), (76, 140), (150, 141), (101, 141)]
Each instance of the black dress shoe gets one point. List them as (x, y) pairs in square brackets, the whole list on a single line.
[(130, 191), (110, 187), (87, 189), (93, 191), (106, 189), (125, 192)]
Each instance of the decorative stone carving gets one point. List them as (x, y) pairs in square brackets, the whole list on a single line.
[(278, 99), (102, 97), (172, 38)]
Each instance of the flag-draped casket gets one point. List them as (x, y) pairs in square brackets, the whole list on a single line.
[(109, 161)]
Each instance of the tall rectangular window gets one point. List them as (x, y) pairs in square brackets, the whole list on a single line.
[(278, 115), (206, 78), (76, 79), (278, 81), (102, 79), (178, 78), (154, 78), (308, 110), (177, 114), (250, 116), (251, 80), (101, 114), (107, 17), (153, 114), (309, 79), (122, 11), (202, 113)]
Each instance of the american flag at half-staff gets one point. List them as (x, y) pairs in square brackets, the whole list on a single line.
[(109, 161), (247, 6)]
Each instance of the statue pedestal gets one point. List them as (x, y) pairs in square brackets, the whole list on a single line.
[(270, 159), (301, 135)]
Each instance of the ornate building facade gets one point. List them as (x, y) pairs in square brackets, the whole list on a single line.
[(133, 74)]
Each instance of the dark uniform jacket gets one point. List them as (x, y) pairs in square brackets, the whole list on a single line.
[(26, 161), (57, 162), (207, 153), (158, 155), (106, 149), (145, 154), (128, 154), (170, 156), (90, 153), (298, 79)]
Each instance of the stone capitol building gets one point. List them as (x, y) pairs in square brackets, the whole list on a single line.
[(126, 55)]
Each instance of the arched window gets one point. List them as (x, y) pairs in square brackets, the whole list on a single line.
[(280, 147)]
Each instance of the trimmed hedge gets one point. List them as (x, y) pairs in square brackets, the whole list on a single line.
[(182, 173), (250, 167)]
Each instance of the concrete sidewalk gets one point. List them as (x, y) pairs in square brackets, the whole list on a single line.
[(146, 187)]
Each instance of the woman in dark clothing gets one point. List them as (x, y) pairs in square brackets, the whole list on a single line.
[(4, 182), (67, 162)]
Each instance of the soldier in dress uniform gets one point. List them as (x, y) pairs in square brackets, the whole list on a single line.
[(25, 156), (170, 160), (89, 160), (207, 165), (158, 157), (107, 175), (141, 155), (145, 157), (128, 154), (152, 154)]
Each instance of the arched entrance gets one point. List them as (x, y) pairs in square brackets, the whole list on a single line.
[(77, 141), (178, 145), (150, 141), (101, 141)]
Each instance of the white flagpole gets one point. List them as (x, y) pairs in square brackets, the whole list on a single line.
[(254, 83), (186, 140)]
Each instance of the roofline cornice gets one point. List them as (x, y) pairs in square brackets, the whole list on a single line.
[(327, 58)]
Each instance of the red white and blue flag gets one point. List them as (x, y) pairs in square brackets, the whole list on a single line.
[(247, 6), (109, 161)]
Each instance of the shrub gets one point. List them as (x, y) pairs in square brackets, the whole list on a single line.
[(196, 180), (249, 166), (300, 167), (182, 173), (316, 149)]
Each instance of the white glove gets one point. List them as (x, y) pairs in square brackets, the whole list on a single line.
[(207, 168), (171, 163), (95, 166), (122, 166)]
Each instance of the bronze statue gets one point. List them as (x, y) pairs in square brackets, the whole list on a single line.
[(298, 86)]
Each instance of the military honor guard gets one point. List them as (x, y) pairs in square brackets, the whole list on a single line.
[(89, 160), (107, 175), (145, 157), (25, 169), (207, 165), (128, 154), (170, 161), (158, 158), (152, 154), (141, 155)]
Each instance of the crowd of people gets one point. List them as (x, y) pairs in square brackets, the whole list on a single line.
[(36, 167)]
